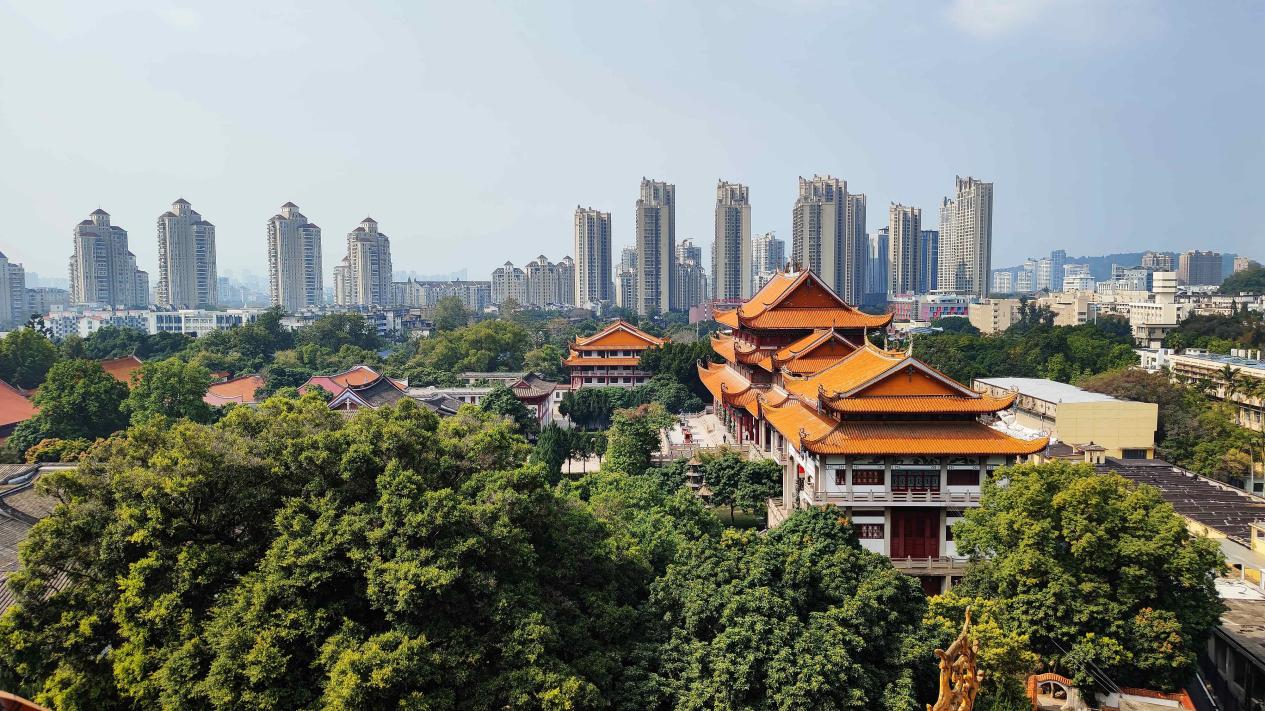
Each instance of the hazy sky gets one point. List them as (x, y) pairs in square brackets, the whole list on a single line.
[(471, 130)]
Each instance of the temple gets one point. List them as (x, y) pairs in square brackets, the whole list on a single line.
[(611, 357), (900, 447)]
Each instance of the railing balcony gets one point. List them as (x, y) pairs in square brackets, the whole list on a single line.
[(961, 498)]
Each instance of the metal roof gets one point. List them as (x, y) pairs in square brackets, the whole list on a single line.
[(1047, 390)]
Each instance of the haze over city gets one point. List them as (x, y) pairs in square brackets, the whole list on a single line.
[(1100, 130)]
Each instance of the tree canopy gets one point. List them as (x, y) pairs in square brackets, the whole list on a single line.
[(78, 400), (1098, 572), (25, 357), (1248, 281), (1031, 348)]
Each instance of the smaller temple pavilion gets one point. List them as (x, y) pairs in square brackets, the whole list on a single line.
[(900, 447), (611, 357)]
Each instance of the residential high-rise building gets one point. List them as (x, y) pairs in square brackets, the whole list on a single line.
[(1076, 277), (904, 228), (732, 259), (366, 270), (1157, 261), (295, 276), (1025, 282), (929, 261), (509, 282), (548, 284), (566, 281), (592, 257), (1242, 264), (186, 259), (828, 235), (626, 279), (1058, 259), (876, 265), (691, 279), (768, 253), (855, 246), (13, 301), (966, 238), (656, 247), (1003, 282), (1196, 268), (102, 269), (1045, 275)]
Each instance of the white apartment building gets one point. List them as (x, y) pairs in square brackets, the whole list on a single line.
[(13, 301), (102, 268), (828, 235), (295, 274), (186, 259), (904, 234), (732, 258), (363, 278), (626, 279), (1045, 274), (691, 280), (509, 282), (656, 247), (592, 257), (548, 284), (1003, 282), (768, 254), (1158, 262), (1076, 277), (966, 238)]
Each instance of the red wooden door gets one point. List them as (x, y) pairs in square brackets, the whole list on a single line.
[(915, 533)]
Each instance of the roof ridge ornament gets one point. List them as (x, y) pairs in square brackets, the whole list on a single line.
[(959, 678)]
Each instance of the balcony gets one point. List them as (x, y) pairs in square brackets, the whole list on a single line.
[(942, 565), (887, 497)]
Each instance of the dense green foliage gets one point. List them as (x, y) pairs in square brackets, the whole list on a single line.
[(679, 361), (1194, 431), (486, 346), (1031, 349), (1248, 281), (116, 342), (593, 407), (1096, 571), (1219, 334), (171, 388), (955, 324), (25, 357), (288, 557), (78, 400), (633, 438), (501, 401), (733, 480)]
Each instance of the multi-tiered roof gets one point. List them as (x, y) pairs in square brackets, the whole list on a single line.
[(799, 359)]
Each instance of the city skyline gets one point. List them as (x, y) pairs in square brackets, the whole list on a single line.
[(1085, 135)]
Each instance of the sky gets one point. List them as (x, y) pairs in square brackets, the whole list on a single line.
[(471, 130)]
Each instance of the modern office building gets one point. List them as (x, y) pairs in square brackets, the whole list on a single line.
[(295, 275), (1196, 268), (732, 258), (966, 238), (592, 257), (186, 259), (102, 268), (904, 230), (656, 247), (364, 275), (828, 234), (1058, 260)]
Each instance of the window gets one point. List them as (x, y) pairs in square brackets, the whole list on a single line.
[(867, 477), (839, 474), (948, 532), (963, 477), (869, 531), (915, 480)]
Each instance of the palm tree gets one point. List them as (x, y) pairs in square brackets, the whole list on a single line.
[(1231, 382)]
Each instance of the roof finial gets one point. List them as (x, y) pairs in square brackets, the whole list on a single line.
[(909, 351)]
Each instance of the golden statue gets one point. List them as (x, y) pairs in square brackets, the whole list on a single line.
[(959, 679)]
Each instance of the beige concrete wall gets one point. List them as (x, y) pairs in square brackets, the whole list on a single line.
[(1114, 425)]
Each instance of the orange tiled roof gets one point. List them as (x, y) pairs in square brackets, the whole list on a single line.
[(766, 398), (619, 334), (722, 381), (723, 345), (577, 359), (352, 377), (851, 371), (918, 404), (814, 352), (239, 390), (796, 301), (920, 438), (122, 368), (793, 417), (14, 406)]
